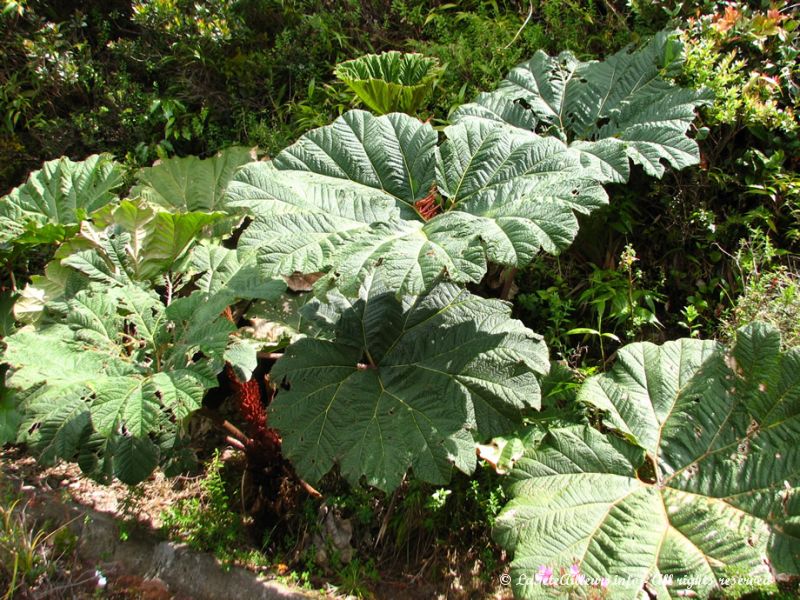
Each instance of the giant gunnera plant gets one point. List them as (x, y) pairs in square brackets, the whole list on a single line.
[(345, 261)]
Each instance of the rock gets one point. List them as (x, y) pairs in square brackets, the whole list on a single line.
[(333, 538)]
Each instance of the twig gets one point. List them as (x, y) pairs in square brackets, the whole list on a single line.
[(610, 359), (309, 490), (226, 425), (240, 311), (610, 6), (385, 523), (66, 586), (235, 443), (425, 564), (524, 24)]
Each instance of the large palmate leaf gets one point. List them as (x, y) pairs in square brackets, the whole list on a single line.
[(610, 111), (391, 81), (406, 383), (699, 478), (191, 184), (394, 154), (113, 380), (516, 192), (349, 197), (55, 199)]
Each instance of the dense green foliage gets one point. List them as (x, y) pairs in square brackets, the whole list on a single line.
[(363, 258), (153, 77), (112, 365), (86, 395)]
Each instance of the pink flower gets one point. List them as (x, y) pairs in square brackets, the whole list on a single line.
[(544, 575), (604, 582), (575, 570)]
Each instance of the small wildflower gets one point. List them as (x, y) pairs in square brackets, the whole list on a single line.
[(627, 258), (773, 14), (101, 579), (544, 575)]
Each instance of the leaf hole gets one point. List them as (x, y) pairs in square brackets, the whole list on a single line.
[(522, 103)]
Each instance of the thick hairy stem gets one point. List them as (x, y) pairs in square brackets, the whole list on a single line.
[(508, 282), (168, 290)]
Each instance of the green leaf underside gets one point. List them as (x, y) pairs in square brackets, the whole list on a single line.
[(407, 384), (7, 324), (279, 322), (133, 242), (722, 433), (342, 200), (56, 198), (613, 111), (391, 81)]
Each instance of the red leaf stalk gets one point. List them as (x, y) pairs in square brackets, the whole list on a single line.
[(427, 207)]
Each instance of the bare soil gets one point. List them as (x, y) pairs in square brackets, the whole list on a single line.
[(79, 578)]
